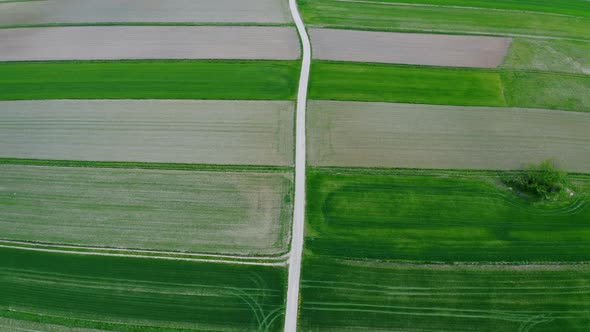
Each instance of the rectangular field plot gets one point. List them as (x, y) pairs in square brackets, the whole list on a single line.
[(406, 48), (341, 295), (425, 136), (15, 325), (441, 217), (143, 11), (174, 131), (547, 90), (466, 17), (149, 42), (241, 213), (131, 294), (197, 79), (407, 84), (549, 55)]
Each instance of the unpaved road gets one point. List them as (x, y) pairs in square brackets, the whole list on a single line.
[(149, 42), (299, 204), (409, 48)]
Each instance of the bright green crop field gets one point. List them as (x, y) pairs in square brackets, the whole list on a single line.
[(340, 295), (264, 80), (437, 216), (406, 84), (137, 294), (500, 18), (448, 86)]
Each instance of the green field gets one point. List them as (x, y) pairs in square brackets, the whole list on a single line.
[(340, 295), (389, 15), (264, 80), (437, 216), (448, 86), (130, 294), (406, 84), (548, 55), (547, 90), (239, 213)]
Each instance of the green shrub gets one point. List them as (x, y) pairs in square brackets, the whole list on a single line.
[(545, 180)]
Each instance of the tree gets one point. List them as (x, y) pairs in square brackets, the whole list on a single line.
[(544, 180)]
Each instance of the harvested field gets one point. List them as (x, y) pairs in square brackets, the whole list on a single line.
[(405, 48), (241, 213), (506, 18), (426, 136), (107, 11), (131, 294), (149, 42), (172, 131), (149, 79), (441, 216), (340, 295)]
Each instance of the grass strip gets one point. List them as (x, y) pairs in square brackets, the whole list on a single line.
[(160, 79)]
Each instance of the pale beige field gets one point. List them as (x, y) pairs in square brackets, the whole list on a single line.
[(425, 136), (408, 48), (101, 11), (243, 213), (181, 131), (149, 42)]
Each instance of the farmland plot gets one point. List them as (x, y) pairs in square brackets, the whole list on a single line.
[(449, 86), (406, 84), (149, 42), (424, 136), (404, 48), (437, 216), (15, 325), (342, 295), (399, 16), (156, 79), (131, 294), (181, 131), (139, 11), (549, 55), (241, 213)]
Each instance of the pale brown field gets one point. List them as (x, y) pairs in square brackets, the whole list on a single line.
[(149, 42), (181, 131), (104, 11), (427, 136), (409, 48)]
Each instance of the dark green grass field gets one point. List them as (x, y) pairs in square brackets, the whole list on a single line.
[(448, 86), (441, 217), (133, 294), (504, 17), (340, 295), (264, 80)]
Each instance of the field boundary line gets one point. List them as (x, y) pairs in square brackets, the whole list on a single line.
[(297, 234), (460, 7), (113, 252)]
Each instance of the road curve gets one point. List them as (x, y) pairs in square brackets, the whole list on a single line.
[(299, 212)]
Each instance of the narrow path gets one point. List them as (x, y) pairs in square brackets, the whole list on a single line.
[(299, 212)]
